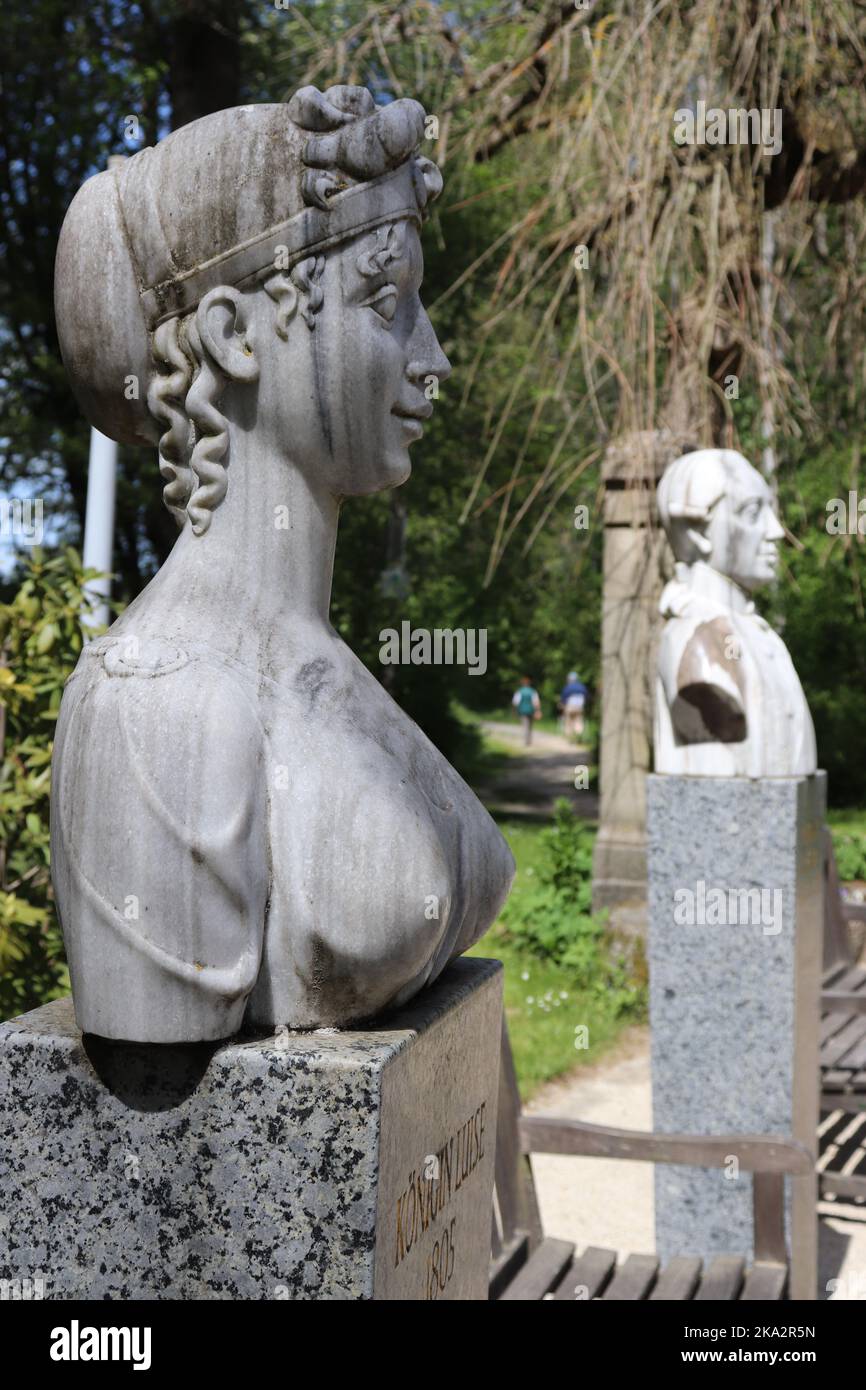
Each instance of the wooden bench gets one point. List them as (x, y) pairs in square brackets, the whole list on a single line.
[(528, 1266), (843, 1046)]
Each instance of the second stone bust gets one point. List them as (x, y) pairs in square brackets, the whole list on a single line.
[(728, 700), (246, 828)]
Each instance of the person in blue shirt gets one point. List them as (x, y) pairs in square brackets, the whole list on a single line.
[(528, 705), (573, 704)]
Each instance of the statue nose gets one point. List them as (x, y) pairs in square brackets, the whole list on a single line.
[(435, 364), (427, 359)]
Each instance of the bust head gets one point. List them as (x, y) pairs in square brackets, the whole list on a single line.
[(716, 508), (258, 271), (728, 701)]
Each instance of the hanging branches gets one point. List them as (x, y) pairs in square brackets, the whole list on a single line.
[(633, 285)]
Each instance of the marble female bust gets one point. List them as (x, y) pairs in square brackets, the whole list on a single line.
[(728, 700), (245, 827)]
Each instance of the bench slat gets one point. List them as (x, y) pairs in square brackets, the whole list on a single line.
[(836, 1080), (541, 1271), (834, 1020), (588, 1273), (845, 977), (842, 1185), (678, 1280), (855, 1057), (765, 1283), (633, 1280), (832, 1053), (723, 1280)]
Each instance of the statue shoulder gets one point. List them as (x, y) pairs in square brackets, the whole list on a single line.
[(159, 842), (701, 667), (164, 714), (141, 657)]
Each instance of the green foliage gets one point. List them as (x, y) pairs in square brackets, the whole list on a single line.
[(850, 856), (40, 640), (819, 605), (554, 921)]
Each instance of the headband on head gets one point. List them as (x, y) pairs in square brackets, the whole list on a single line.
[(308, 233), (219, 202)]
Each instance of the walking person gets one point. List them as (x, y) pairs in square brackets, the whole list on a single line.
[(573, 702), (528, 705)]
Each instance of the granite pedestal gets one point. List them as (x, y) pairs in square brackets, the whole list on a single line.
[(735, 924), (324, 1165)]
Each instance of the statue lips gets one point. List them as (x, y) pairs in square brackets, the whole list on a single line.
[(411, 419)]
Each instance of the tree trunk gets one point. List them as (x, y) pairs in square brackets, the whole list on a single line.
[(203, 59)]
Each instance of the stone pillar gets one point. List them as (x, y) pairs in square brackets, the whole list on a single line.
[(735, 934), (329, 1165), (634, 546)]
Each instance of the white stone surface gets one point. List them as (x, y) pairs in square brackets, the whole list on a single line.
[(728, 700), (245, 826)]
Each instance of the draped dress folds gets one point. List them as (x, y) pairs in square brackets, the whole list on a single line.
[(230, 848)]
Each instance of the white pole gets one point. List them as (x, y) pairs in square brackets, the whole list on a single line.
[(99, 529)]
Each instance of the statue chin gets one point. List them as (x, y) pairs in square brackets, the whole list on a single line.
[(397, 467), (759, 573)]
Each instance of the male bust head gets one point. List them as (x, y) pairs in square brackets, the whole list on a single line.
[(717, 509)]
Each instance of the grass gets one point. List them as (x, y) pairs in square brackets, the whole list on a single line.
[(542, 1005), (478, 758), (850, 820), (848, 827)]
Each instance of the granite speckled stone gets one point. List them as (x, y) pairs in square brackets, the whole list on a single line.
[(327, 1165), (733, 1006)]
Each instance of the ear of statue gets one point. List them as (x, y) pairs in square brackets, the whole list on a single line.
[(226, 333), (702, 544)]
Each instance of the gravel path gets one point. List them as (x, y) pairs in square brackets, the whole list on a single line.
[(529, 785)]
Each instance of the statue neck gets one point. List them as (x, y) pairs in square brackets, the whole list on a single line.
[(718, 588), (263, 567)]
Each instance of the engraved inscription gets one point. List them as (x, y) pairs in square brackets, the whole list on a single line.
[(427, 1194)]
